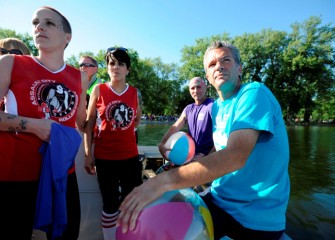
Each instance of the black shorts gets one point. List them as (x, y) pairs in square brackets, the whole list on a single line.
[(17, 209), (116, 179), (225, 225)]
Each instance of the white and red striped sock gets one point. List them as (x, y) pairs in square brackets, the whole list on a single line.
[(109, 225)]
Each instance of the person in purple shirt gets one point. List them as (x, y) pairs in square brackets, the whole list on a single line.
[(198, 117)]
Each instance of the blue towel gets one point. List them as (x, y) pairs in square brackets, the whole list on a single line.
[(58, 157)]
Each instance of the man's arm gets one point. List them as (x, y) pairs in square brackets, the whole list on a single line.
[(233, 157), (81, 111), (239, 146), (212, 150)]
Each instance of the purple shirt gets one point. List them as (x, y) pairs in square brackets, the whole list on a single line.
[(199, 120)]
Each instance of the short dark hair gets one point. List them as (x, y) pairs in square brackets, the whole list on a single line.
[(119, 55)]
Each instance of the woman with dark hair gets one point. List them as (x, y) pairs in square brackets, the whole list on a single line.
[(113, 113)]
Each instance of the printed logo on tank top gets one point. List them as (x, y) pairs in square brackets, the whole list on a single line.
[(120, 115), (54, 99)]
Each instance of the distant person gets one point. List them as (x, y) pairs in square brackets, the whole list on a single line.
[(250, 186), (89, 65), (27, 82), (113, 113), (198, 117), (12, 46)]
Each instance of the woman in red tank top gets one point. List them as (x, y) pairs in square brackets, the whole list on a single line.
[(29, 85), (113, 113)]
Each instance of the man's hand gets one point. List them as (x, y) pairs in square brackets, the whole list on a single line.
[(135, 201), (162, 149), (41, 128)]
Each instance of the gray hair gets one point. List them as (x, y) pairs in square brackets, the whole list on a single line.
[(219, 44)]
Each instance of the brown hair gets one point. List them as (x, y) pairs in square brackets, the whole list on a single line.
[(14, 43), (91, 58)]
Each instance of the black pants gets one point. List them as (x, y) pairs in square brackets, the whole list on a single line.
[(117, 178), (225, 225), (17, 209)]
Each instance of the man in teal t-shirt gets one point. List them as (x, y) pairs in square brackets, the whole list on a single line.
[(250, 186)]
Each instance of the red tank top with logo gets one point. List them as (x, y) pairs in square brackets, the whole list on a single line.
[(36, 92), (114, 131)]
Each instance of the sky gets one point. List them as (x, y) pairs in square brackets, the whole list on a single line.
[(162, 28)]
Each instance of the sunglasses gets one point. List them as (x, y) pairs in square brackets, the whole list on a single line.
[(113, 49), (12, 51), (86, 65)]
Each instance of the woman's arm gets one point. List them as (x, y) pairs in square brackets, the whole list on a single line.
[(13, 123), (88, 136), (81, 111)]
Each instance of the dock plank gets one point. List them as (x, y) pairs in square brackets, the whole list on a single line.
[(150, 152)]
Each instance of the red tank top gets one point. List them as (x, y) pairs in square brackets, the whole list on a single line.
[(39, 93), (114, 131)]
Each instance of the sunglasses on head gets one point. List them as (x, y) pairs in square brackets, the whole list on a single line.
[(113, 49), (12, 51), (86, 65)]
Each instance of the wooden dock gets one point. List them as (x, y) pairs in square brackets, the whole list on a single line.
[(152, 158), (150, 152)]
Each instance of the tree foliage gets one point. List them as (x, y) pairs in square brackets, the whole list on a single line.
[(298, 67), (26, 38)]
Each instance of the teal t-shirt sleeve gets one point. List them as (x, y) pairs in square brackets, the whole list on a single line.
[(254, 110)]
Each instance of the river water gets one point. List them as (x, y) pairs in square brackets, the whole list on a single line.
[(311, 210)]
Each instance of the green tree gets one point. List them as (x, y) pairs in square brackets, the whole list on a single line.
[(26, 38), (262, 60), (192, 60), (298, 67), (160, 86), (309, 62), (324, 108)]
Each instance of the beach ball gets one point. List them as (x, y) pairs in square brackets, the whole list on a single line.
[(182, 148), (176, 215)]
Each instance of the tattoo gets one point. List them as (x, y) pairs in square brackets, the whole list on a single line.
[(11, 129), (23, 124)]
